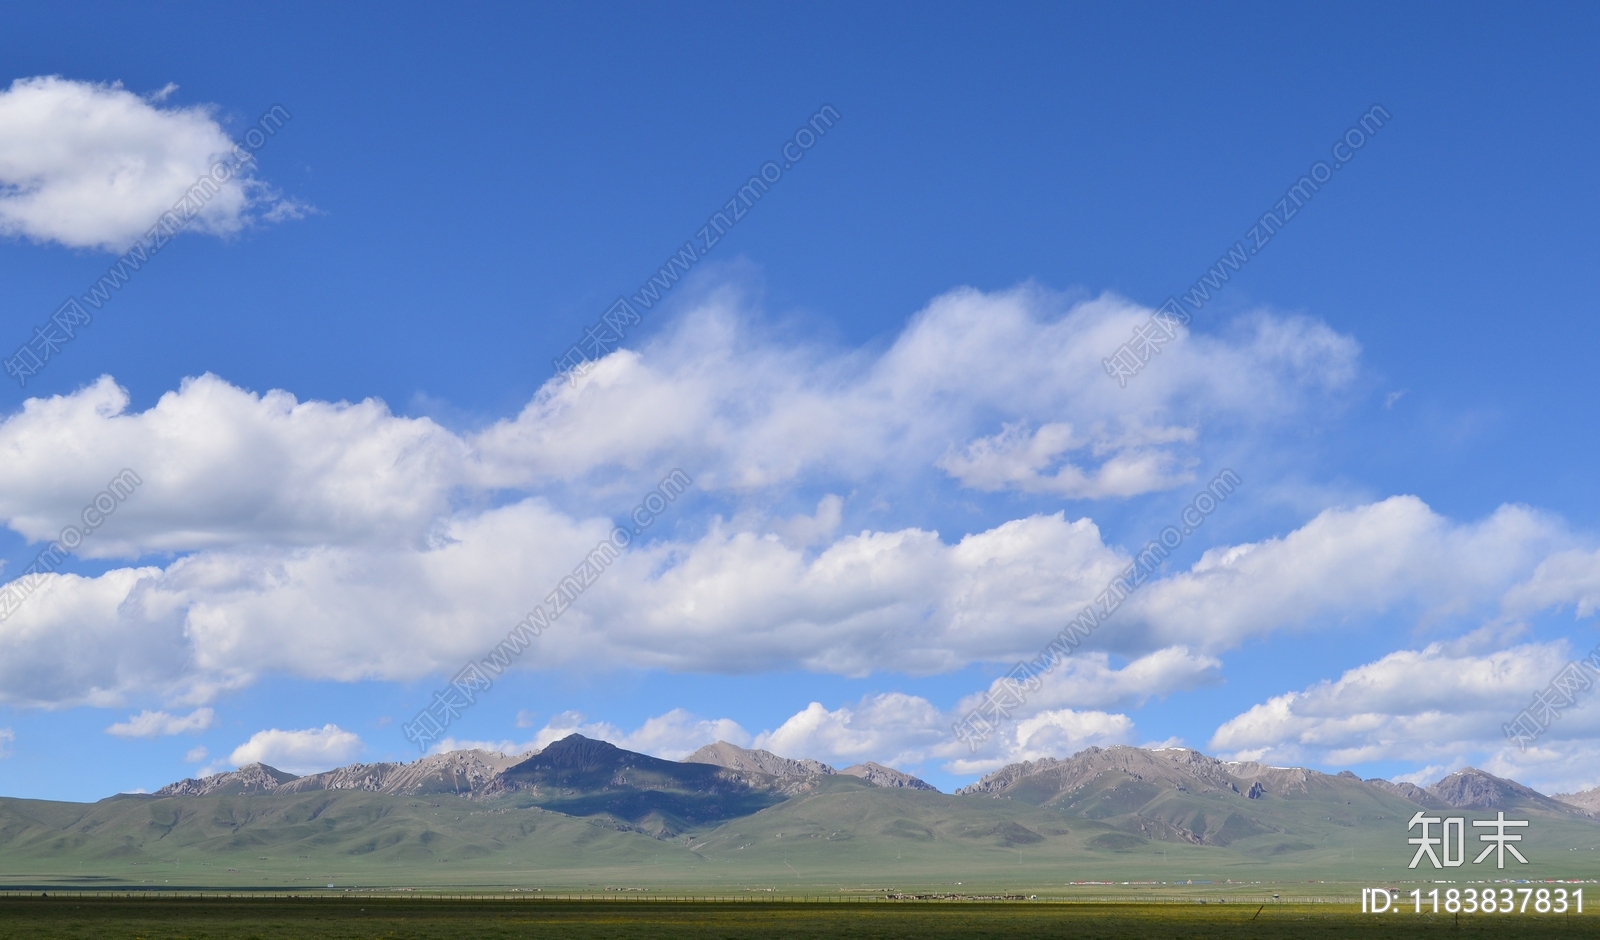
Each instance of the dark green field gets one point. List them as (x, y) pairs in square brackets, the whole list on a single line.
[(104, 918)]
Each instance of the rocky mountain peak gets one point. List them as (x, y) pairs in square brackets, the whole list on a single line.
[(1471, 788), (881, 776), (578, 753), (734, 757), (466, 772), (251, 778)]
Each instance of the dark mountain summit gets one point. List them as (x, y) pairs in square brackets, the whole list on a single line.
[(583, 777), (1471, 788)]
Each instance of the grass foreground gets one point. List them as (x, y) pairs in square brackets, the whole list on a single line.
[(312, 918)]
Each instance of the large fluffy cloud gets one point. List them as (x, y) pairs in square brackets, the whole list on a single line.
[(340, 541), (892, 728), (222, 466), (1569, 578), (1397, 554), (1445, 705), (94, 166), (73, 641), (1089, 679), (727, 602), (1001, 390), (733, 601), (908, 731), (998, 390)]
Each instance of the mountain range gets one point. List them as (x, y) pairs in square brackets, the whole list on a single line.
[(576, 761), (1049, 780), (583, 812)]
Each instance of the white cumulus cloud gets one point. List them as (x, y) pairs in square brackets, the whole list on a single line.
[(300, 752), (223, 466), (733, 601), (1030, 461), (1569, 578), (670, 736), (92, 165), (1445, 705), (1057, 733), (1087, 679), (959, 388), (908, 731), (891, 728), (1392, 555), (72, 641), (341, 541), (149, 724)]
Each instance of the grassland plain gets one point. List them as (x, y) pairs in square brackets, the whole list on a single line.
[(149, 918)]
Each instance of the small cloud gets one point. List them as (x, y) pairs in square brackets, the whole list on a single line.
[(1135, 462), (1392, 397), (1425, 776), (299, 752), (196, 755), (526, 718), (149, 724), (7, 737)]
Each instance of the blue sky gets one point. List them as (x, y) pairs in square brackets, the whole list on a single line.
[(902, 337)]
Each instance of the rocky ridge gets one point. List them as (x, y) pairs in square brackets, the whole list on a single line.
[(1186, 769), (479, 774), (733, 757), (1588, 800), (456, 772), (880, 776), (251, 778)]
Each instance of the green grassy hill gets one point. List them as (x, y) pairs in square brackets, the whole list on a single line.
[(1113, 834), (600, 818), (845, 835), (302, 839)]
